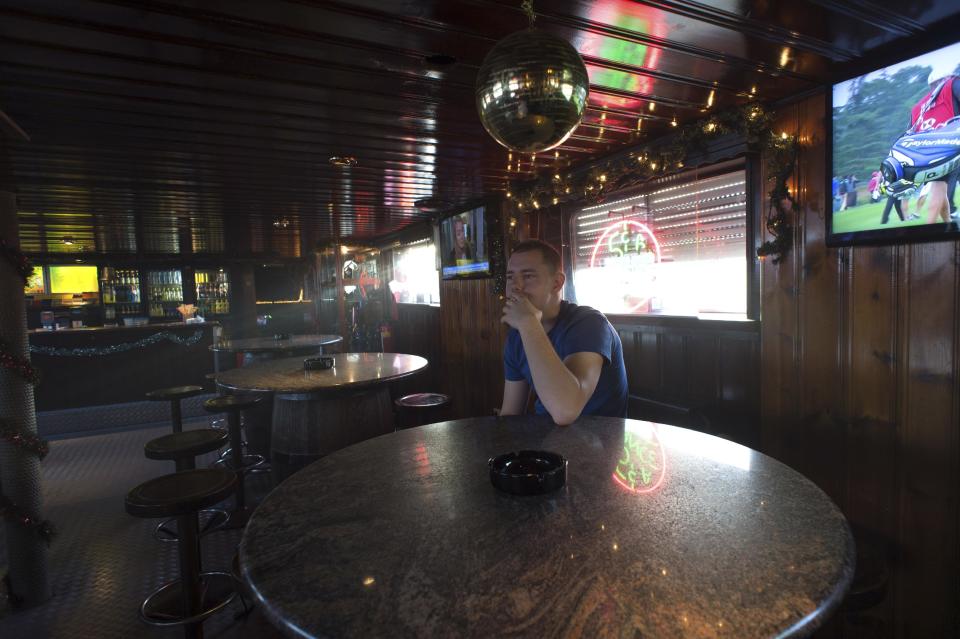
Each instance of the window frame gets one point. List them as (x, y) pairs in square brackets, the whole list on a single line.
[(750, 164)]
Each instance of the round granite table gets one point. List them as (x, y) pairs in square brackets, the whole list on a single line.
[(316, 412), (258, 419), (256, 348), (659, 532)]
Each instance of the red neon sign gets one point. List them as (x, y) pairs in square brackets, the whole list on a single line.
[(625, 237), (643, 466)]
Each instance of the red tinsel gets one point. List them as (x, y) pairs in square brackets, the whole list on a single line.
[(18, 260), (19, 365), (10, 512), (26, 441)]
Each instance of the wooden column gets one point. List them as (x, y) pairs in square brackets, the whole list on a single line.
[(19, 469)]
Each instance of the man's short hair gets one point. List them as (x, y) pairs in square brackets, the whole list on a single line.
[(549, 254)]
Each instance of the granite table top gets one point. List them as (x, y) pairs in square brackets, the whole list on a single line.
[(659, 532), (350, 370), (271, 344)]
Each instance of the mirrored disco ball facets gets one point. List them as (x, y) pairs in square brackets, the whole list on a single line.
[(532, 91)]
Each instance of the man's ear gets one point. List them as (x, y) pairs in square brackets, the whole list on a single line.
[(559, 279)]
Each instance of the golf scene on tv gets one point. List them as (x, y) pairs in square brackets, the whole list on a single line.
[(896, 146)]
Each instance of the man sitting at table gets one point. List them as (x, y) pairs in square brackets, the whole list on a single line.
[(570, 354)]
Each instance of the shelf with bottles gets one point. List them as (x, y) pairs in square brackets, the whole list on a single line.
[(213, 292), (120, 293), (165, 294)]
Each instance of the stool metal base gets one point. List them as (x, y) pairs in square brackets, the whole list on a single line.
[(211, 520), (249, 464), (165, 608), (238, 519)]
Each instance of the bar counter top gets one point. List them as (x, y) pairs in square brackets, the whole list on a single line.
[(659, 532)]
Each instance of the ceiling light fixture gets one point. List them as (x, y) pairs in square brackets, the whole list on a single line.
[(343, 161)]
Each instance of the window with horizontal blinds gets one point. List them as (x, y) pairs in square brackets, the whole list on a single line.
[(678, 249)]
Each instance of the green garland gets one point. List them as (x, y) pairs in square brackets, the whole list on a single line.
[(751, 121)]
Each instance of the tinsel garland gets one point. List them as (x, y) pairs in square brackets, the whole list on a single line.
[(12, 513), (24, 441), (19, 365), (92, 351), (751, 121), (781, 159), (18, 260)]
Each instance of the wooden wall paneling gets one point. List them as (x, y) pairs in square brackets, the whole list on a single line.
[(737, 372), (822, 409), (874, 276), (926, 595), (647, 370), (416, 332), (738, 387), (865, 344), (472, 337), (702, 385), (631, 356), (779, 339), (674, 361)]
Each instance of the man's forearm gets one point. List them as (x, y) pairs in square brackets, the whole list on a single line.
[(557, 387)]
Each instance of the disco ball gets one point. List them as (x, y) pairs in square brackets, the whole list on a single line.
[(531, 91)]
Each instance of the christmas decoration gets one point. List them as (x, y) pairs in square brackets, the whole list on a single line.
[(17, 259), (24, 441), (11, 513), (92, 351), (751, 121), (19, 365), (531, 90)]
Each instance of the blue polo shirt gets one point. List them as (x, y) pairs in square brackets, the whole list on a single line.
[(578, 329)]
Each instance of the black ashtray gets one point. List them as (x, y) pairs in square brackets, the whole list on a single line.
[(529, 472), (280, 336), (318, 363)]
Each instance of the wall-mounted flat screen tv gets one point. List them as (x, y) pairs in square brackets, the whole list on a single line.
[(464, 250), (895, 152)]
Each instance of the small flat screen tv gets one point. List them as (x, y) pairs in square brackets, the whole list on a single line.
[(895, 152), (464, 250)]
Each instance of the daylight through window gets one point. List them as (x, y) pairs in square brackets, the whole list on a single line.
[(678, 249)]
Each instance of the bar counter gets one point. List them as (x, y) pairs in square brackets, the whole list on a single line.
[(91, 366)]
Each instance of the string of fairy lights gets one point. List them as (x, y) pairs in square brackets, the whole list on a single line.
[(559, 183)]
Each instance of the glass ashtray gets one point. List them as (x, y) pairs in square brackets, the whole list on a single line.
[(528, 472)]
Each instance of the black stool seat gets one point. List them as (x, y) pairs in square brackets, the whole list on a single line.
[(175, 392), (421, 408), (189, 443), (423, 400), (181, 493), (227, 403)]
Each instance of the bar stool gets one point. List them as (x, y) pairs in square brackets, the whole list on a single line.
[(174, 395), (421, 408), (238, 462), (196, 595), (182, 448)]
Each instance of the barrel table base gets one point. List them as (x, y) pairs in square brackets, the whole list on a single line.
[(308, 426)]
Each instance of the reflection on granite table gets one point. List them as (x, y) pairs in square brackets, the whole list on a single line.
[(659, 532)]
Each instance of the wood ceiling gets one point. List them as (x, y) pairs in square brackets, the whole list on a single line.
[(187, 126)]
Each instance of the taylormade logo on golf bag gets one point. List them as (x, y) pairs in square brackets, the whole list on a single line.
[(939, 142)]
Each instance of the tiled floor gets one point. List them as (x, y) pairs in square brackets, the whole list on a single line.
[(104, 562)]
